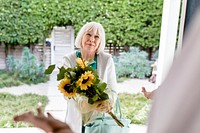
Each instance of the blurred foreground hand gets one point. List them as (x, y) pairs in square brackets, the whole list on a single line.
[(48, 124), (147, 94)]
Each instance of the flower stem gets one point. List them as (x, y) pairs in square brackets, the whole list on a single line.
[(83, 62), (90, 93), (119, 123)]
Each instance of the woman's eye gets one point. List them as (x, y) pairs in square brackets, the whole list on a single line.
[(96, 36), (88, 34)]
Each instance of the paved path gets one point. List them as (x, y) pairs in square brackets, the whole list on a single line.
[(57, 104)]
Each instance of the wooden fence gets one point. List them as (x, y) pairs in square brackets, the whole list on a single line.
[(42, 53), (115, 49)]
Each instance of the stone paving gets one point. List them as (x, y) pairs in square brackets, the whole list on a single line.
[(57, 104)]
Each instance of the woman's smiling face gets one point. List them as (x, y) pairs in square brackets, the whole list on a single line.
[(90, 41)]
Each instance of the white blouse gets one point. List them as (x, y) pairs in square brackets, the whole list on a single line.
[(106, 70)]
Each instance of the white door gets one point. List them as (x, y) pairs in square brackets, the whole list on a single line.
[(62, 42)]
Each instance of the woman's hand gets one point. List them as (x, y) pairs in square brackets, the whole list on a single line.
[(104, 106), (48, 124)]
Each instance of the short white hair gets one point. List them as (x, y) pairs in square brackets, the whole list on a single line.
[(88, 27)]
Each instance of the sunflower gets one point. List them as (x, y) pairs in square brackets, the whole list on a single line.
[(66, 88), (86, 80), (81, 63)]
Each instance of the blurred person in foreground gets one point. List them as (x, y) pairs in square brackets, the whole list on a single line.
[(148, 94), (48, 124), (176, 107)]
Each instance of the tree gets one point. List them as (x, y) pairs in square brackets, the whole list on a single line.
[(126, 22)]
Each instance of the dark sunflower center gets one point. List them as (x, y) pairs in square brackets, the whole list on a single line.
[(68, 88), (85, 80)]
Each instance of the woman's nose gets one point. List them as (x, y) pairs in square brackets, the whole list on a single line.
[(91, 39)]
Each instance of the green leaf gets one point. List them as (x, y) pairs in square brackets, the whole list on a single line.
[(88, 68), (90, 101), (101, 87), (104, 96), (50, 69), (95, 98), (96, 81), (61, 73)]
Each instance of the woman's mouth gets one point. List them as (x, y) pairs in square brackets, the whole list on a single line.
[(90, 44)]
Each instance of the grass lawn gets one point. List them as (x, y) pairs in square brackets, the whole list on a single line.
[(11, 105), (135, 107)]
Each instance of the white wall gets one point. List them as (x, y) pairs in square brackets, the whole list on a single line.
[(170, 15)]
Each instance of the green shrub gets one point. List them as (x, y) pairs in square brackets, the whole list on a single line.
[(27, 68), (155, 55), (12, 63), (8, 79), (133, 64), (135, 107), (132, 22), (9, 83)]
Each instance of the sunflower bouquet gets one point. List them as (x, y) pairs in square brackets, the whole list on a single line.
[(82, 80)]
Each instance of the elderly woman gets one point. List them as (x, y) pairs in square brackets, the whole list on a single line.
[(91, 42)]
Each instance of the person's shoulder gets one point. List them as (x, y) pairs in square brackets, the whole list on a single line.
[(105, 58), (70, 55), (105, 55)]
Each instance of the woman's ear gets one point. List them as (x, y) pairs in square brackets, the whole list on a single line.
[(81, 45)]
